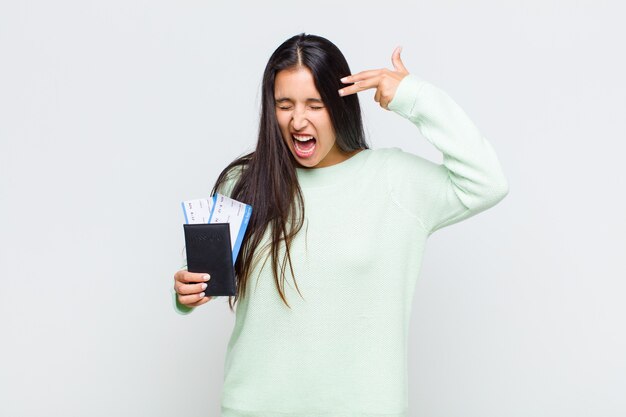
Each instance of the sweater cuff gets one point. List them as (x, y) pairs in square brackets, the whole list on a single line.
[(178, 307), (405, 97)]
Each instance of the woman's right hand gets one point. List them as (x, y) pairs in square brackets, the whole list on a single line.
[(190, 286)]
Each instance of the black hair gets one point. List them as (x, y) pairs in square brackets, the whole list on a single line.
[(266, 178)]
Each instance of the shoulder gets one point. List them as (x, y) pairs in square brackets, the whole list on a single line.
[(404, 170), (398, 160)]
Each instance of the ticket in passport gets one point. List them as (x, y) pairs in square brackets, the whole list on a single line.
[(220, 209)]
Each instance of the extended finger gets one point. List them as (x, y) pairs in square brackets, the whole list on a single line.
[(360, 76), (397, 61), (360, 86)]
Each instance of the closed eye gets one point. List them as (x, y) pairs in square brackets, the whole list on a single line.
[(312, 107)]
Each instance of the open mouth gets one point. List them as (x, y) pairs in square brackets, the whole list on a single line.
[(304, 145)]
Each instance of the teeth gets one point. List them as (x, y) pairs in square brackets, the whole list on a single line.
[(302, 138)]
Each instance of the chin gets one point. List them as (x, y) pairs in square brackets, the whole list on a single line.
[(306, 164)]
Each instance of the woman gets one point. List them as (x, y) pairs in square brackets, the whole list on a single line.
[(350, 222)]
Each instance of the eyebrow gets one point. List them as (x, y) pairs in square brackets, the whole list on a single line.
[(283, 99)]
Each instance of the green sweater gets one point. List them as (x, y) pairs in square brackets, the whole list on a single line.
[(342, 350)]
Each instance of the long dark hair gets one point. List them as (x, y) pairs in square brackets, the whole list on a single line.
[(266, 177)]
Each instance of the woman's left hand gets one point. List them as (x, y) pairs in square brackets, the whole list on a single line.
[(383, 80)]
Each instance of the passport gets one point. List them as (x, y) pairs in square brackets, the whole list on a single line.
[(214, 229), (208, 250), (220, 209)]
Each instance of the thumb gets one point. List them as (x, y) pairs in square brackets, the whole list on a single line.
[(397, 62)]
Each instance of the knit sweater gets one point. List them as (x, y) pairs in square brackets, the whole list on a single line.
[(341, 349)]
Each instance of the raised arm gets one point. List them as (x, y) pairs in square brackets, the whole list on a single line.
[(469, 180)]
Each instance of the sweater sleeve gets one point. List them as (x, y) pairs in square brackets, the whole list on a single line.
[(225, 189), (469, 180)]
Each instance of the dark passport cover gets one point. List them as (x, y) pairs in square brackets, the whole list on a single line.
[(209, 250)]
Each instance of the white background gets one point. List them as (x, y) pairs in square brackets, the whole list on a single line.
[(113, 112)]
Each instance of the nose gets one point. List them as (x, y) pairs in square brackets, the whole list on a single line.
[(299, 120)]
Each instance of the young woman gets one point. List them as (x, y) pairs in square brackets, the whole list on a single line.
[(322, 328)]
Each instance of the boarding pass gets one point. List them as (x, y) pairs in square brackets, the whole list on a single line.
[(220, 209)]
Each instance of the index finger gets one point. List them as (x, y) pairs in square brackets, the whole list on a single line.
[(191, 277), (360, 76), (360, 85)]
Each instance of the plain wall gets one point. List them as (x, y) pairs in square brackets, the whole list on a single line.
[(112, 113)]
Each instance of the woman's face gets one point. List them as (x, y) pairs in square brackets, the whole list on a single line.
[(301, 112)]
